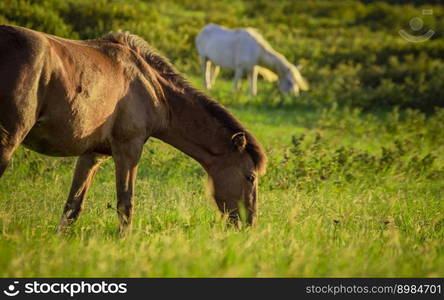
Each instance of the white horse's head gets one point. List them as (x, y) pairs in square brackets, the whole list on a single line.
[(292, 81)]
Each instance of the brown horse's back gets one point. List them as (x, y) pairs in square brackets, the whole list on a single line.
[(58, 96)]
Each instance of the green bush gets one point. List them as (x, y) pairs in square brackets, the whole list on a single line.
[(351, 50)]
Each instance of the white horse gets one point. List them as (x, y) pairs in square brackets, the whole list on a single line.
[(245, 50)]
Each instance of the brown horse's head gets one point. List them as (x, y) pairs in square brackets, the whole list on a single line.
[(234, 179)]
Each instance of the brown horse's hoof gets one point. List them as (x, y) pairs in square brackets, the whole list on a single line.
[(124, 231), (61, 229)]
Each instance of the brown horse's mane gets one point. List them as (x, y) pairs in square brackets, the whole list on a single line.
[(178, 82)]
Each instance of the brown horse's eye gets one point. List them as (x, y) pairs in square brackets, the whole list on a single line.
[(250, 178)]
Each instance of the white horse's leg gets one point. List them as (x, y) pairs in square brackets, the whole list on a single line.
[(205, 72), (208, 75), (252, 76), (237, 76), (214, 72)]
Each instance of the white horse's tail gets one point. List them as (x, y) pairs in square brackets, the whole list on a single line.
[(268, 75)]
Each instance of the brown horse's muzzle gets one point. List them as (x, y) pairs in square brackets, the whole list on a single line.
[(234, 217)]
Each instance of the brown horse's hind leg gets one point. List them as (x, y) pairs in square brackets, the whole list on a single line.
[(8, 144), (4, 161), (86, 169), (4, 156), (126, 158)]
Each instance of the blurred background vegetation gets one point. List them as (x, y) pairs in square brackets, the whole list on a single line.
[(351, 51)]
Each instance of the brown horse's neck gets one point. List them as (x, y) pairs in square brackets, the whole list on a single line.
[(193, 130)]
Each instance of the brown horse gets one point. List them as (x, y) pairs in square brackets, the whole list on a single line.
[(106, 97)]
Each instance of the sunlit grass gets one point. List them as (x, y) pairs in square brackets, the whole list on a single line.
[(354, 222)]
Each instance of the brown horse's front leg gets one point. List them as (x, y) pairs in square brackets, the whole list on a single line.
[(126, 158), (86, 169)]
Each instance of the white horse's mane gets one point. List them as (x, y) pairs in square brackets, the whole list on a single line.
[(267, 74), (254, 33)]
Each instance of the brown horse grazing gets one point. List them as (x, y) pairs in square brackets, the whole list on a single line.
[(106, 97)]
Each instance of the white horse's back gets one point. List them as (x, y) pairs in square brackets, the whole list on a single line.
[(227, 48)]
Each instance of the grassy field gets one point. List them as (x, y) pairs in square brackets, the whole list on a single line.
[(346, 194), (355, 183)]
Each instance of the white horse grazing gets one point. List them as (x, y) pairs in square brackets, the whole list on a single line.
[(245, 50)]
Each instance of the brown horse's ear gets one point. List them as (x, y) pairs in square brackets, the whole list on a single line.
[(239, 141)]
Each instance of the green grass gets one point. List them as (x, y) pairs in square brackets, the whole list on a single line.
[(322, 213)]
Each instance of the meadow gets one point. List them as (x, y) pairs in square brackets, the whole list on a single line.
[(355, 182)]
